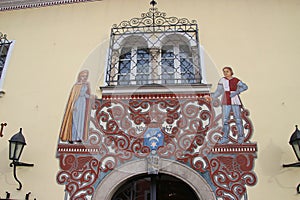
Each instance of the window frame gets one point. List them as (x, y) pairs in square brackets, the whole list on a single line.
[(173, 51), (6, 64), (133, 66), (178, 55)]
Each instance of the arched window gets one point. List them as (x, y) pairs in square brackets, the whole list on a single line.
[(176, 61), (134, 62), (168, 59)]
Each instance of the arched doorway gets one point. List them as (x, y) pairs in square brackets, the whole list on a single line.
[(111, 183), (154, 187)]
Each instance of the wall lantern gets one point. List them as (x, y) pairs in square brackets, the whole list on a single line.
[(295, 143), (16, 145)]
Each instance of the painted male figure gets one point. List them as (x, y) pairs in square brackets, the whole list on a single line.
[(230, 87)]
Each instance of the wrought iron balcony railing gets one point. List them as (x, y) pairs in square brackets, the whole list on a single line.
[(154, 49), (4, 47)]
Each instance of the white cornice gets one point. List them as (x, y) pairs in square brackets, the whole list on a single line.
[(156, 89), (22, 4)]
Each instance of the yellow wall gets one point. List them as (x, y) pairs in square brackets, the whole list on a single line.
[(260, 39)]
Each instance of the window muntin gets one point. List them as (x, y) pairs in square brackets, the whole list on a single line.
[(167, 65), (142, 66), (165, 59), (176, 65)]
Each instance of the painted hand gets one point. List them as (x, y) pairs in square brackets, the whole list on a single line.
[(234, 94)]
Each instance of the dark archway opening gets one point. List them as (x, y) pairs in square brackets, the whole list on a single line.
[(154, 187)]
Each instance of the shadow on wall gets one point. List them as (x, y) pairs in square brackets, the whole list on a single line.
[(271, 164), (95, 63), (4, 164)]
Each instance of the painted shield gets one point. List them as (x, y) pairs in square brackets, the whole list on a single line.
[(153, 138)]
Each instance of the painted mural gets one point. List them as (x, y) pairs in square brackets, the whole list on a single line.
[(76, 119), (230, 87), (186, 128), (178, 119)]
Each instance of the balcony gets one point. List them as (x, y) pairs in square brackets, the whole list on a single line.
[(154, 49)]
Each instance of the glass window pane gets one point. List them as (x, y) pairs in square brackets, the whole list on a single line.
[(167, 52), (142, 79), (184, 49), (143, 66), (186, 65), (124, 79), (143, 53), (125, 53), (12, 146), (124, 66), (168, 66)]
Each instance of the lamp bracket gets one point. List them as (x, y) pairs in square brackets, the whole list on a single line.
[(8, 196), (297, 164), (15, 164)]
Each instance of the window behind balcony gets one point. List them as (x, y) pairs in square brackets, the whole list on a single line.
[(154, 49), (125, 66), (134, 58), (187, 70), (143, 66), (168, 65), (5, 49)]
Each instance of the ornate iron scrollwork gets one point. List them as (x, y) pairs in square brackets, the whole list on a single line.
[(154, 49)]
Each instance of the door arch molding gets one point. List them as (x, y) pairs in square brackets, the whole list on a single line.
[(118, 176)]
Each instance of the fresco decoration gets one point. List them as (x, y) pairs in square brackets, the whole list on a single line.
[(231, 174), (230, 88), (185, 128), (76, 119)]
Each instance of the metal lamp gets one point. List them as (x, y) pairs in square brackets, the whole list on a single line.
[(295, 143), (16, 145)]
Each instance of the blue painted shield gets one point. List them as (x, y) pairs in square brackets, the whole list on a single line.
[(153, 138)]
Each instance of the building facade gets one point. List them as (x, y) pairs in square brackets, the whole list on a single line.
[(153, 117)]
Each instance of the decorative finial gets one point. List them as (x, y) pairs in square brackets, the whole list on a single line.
[(296, 127), (153, 3)]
